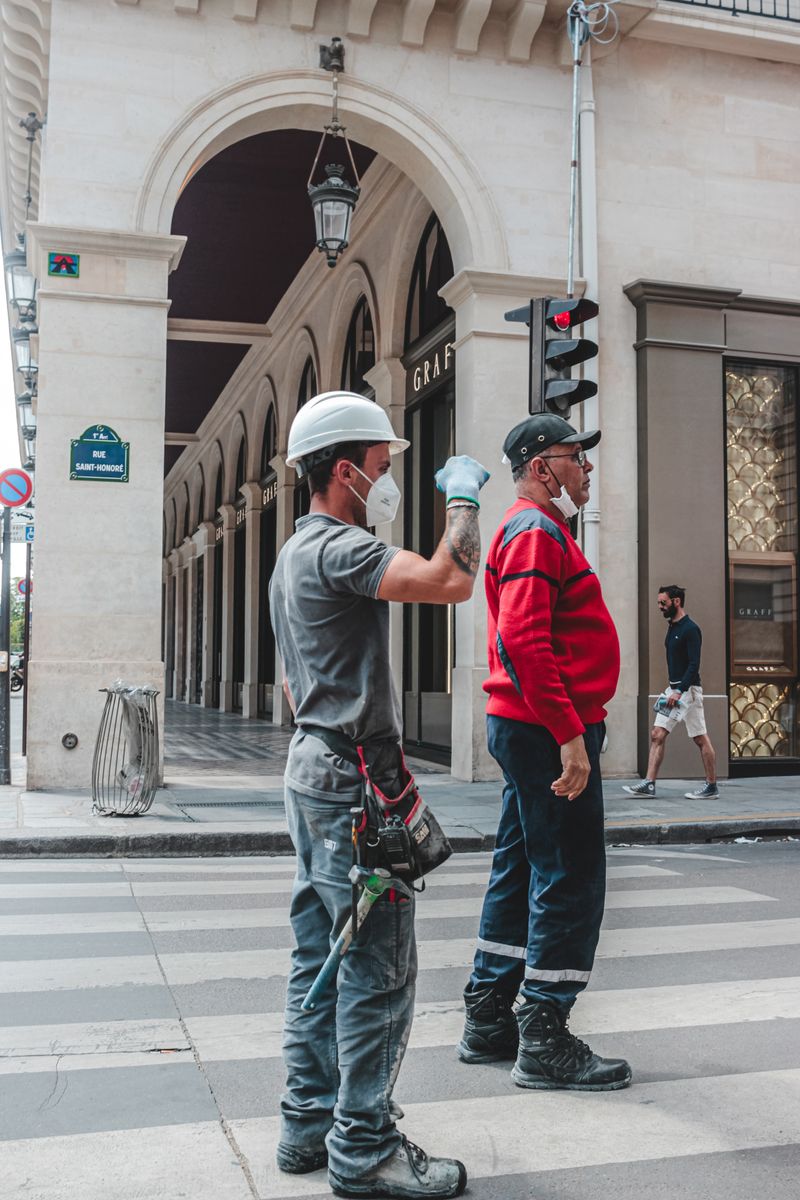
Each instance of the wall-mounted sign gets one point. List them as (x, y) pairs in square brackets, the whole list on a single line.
[(426, 370), (99, 453), (59, 263)]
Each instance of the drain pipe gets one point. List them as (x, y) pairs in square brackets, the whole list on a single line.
[(590, 271)]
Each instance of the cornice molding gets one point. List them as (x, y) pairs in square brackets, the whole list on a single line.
[(112, 243), (774, 305), (25, 51), (752, 36), (657, 291), (471, 282)]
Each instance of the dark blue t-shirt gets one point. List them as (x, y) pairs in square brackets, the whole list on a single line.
[(683, 642)]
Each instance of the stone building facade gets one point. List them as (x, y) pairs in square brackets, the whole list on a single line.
[(199, 321)]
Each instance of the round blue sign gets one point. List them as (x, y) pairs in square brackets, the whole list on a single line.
[(16, 487)]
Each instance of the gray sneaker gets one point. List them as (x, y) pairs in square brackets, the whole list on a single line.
[(645, 788), (408, 1174), (709, 791)]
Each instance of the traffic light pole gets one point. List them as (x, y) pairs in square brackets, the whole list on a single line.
[(578, 33), (5, 631), (26, 648)]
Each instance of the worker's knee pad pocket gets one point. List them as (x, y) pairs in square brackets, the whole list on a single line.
[(390, 930)]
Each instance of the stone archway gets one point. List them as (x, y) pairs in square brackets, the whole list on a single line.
[(400, 132)]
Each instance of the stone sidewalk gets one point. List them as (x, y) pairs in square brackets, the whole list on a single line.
[(224, 795)]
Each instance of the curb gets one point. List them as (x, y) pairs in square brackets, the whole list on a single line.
[(221, 844)]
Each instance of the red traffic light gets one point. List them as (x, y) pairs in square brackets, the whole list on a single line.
[(564, 314)]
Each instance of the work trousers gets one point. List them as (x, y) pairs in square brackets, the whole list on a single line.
[(544, 904), (342, 1058)]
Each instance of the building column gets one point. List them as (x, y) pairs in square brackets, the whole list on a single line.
[(179, 672), (191, 664), (102, 359), (253, 494), (491, 397), (226, 545), (170, 566), (286, 479), (204, 540), (388, 379)]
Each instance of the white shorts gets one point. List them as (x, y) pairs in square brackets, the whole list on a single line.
[(694, 717)]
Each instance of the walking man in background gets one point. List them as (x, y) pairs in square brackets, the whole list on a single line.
[(553, 666), (682, 700), (329, 597)]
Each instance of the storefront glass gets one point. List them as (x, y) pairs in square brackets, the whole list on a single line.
[(761, 425)]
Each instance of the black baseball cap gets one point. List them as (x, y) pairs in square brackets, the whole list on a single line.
[(536, 433)]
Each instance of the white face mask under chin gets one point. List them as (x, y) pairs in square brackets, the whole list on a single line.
[(565, 504), (383, 498)]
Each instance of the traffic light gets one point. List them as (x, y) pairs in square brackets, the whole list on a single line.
[(554, 351)]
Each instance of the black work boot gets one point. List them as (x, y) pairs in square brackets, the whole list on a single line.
[(551, 1057), (490, 1030)]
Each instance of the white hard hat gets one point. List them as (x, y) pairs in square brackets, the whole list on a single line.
[(331, 418)]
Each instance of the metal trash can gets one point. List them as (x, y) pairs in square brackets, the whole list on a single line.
[(126, 758)]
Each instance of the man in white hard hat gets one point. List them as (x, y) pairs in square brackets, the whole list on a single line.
[(329, 602)]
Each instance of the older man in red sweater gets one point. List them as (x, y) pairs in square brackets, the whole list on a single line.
[(553, 666)]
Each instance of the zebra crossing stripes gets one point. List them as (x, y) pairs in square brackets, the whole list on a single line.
[(238, 1036), (85, 1120), (652, 1121)]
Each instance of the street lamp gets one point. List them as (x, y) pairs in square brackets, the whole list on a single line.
[(22, 351), (334, 199), (21, 286), (27, 417)]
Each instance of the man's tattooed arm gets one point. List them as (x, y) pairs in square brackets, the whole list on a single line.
[(463, 538)]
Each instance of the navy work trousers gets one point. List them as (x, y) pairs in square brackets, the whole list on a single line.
[(544, 904)]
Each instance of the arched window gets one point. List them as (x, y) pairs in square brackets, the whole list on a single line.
[(359, 350), (433, 267), (308, 383), (217, 494), (186, 507), (240, 469), (201, 500), (268, 442)]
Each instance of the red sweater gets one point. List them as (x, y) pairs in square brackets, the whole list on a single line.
[(553, 648)]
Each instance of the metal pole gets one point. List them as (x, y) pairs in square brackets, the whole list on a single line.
[(26, 648), (5, 630), (577, 38)]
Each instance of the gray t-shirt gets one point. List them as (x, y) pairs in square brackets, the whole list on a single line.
[(333, 638)]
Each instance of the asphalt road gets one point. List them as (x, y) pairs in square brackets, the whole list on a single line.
[(140, 1034)]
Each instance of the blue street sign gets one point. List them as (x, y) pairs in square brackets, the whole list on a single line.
[(28, 533), (99, 453)]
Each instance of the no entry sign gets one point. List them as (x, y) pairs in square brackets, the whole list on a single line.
[(16, 487)]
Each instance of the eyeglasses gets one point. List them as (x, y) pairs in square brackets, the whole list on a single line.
[(579, 457)]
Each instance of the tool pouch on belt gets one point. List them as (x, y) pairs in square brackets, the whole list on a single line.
[(398, 832)]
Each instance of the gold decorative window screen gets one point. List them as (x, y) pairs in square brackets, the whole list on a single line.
[(761, 437)]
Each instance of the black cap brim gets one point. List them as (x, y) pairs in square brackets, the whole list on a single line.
[(587, 439)]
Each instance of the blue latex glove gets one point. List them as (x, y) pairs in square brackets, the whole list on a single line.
[(461, 478)]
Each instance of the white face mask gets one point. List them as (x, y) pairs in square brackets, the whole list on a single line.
[(383, 498), (565, 504)]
